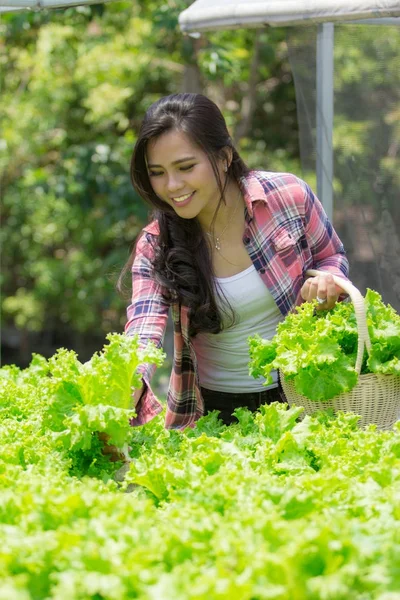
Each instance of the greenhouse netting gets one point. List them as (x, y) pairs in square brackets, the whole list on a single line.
[(365, 173)]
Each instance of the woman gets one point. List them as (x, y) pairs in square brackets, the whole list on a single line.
[(226, 250)]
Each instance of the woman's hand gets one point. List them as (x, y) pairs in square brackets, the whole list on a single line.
[(113, 452), (323, 289), (137, 395)]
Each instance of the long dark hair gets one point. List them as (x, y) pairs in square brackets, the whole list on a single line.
[(182, 262)]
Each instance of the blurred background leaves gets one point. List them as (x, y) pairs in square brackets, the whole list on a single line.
[(75, 85)]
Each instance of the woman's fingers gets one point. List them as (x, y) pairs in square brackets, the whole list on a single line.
[(113, 452), (325, 293), (109, 450), (323, 289)]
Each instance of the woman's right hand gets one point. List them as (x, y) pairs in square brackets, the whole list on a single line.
[(137, 395), (111, 451)]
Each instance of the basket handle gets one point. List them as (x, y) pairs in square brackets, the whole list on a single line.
[(359, 309)]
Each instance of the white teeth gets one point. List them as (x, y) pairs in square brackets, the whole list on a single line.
[(182, 198)]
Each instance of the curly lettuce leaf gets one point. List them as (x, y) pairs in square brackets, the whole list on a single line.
[(262, 355), (82, 399), (384, 330), (327, 381), (110, 377), (310, 349), (90, 419), (318, 351)]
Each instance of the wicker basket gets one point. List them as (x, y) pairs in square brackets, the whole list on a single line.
[(376, 398)]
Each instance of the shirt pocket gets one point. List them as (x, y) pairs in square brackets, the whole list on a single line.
[(290, 243)]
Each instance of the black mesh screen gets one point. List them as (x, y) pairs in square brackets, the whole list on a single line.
[(366, 142)]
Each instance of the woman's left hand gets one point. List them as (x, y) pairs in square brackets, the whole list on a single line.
[(323, 289)]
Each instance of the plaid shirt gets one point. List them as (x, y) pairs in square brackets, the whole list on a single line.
[(287, 232)]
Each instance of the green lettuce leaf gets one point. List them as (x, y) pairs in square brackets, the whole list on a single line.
[(328, 380), (318, 350)]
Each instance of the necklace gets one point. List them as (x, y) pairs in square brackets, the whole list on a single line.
[(217, 239)]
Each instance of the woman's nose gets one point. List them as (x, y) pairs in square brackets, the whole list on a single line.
[(174, 183)]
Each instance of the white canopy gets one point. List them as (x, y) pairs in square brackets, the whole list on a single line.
[(16, 5), (205, 15)]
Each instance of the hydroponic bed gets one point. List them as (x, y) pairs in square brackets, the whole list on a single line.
[(269, 508)]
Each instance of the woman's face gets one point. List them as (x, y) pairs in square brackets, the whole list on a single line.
[(182, 176)]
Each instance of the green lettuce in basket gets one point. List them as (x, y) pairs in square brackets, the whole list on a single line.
[(318, 351)]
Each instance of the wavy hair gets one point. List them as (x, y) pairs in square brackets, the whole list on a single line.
[(182, 262)]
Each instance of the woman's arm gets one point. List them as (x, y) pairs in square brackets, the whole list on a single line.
[(327, 249), (147, 318)]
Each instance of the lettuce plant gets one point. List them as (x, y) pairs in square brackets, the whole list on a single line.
[(269, 508), (318, 350)]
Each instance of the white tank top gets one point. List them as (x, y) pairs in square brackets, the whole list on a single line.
[(223, 358)]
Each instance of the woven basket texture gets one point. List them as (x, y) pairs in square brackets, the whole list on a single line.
[(376, 398)]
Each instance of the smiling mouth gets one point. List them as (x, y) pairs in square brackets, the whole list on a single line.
[(183, 200)]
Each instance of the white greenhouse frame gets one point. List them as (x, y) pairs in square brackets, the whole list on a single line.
[(209, 15), (7, 6)]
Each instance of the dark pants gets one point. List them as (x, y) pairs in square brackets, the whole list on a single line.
[(226, 403)]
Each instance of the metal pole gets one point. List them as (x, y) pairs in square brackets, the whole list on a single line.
[(324, 108)]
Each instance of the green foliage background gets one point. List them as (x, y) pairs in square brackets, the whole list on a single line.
[(75, 85)]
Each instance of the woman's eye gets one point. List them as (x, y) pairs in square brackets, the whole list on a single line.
[(158, 173)]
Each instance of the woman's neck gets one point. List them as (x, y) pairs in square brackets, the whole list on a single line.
[(228, 214)]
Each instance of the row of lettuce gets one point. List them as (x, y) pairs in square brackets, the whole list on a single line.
[(273, 507)]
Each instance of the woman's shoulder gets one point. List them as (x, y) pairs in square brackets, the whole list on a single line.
[(276, 188), (276, 179), (152, 228), (146, 239), (149, 233)]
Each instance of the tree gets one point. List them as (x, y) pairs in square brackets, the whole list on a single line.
[(76, 84)]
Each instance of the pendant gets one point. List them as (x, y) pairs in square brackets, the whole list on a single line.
[(217, 244)]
